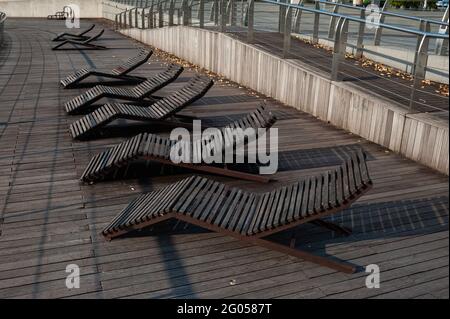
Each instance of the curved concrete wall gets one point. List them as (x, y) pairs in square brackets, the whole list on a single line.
[(416, 136), (42, 8)]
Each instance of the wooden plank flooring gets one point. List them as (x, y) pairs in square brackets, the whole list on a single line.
[(49, 219)]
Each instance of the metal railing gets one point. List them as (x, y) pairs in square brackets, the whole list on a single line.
[(382, 15), (2, 27), (159, 13), (341, 31), (223, 14)]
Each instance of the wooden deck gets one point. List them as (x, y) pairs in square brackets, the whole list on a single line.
[(49, 219)]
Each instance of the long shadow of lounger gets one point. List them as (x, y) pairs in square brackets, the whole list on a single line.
[(374, 221), (369, 221), (252, 217)]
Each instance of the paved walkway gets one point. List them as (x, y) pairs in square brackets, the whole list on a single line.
[(49, 219)]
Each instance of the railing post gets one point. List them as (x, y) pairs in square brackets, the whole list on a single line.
[(425, 27), (216, 11), (171, 12), (223, 15), (281, 16), (297, 18), (243, 12), (130, 18), (360, 40), (228, 10), (379, 29), (211, 13), (233, 12), (150, 17), (287, 32), (420, 66), (185, 10), (189, 8), (201, 13), (136, 20), (315, 36), (160, 15), (250, 19), (340, 46), (332, 25), (442, 44), (116, 22)]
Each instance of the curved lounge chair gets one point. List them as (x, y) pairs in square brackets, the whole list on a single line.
[(82, 44), (120, 72), (156, 112), (80, 36), (158, 149), (138, 93), (250, 216)]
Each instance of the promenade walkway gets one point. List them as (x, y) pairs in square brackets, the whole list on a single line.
[(48, 219)]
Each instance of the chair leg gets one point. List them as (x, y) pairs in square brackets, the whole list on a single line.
[(225, 172), (185, 117), (58, 38), (93, 46), (75, 43), (65, 36), (293, 238), (130, 78), (323, 261), (60, 45), (332, 226)]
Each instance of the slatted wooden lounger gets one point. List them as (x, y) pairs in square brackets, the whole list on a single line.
[(138, 93), (156, 112), (78, 36), (155, 148), (118, 73), (59, 15), (82, 44), (251, 216)]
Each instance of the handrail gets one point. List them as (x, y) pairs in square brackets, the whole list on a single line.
[(121, 19), (354, 19), (350, 18), (386, 13)]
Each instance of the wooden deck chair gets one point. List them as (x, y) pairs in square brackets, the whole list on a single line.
[(158, 149), (80, 36), (82, 44), (59, 15), (251, 216), (120, 72), (137, 93), (156, 112)]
